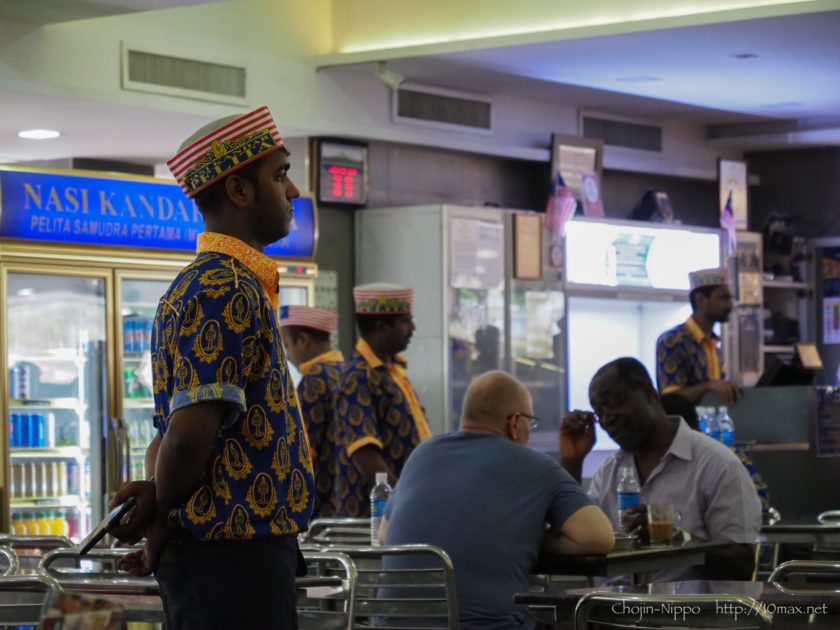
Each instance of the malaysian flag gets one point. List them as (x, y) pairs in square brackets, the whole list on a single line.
[(727, 222), (560, 207)]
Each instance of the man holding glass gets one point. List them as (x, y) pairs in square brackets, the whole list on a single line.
[(700, 479)]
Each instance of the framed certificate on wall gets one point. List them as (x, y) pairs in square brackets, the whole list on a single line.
[(527, 246)]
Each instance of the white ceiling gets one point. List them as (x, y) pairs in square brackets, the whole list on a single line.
[(52, 11), (689, 72)]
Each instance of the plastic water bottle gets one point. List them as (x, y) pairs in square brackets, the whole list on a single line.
[(629, 492), (378, 500), (727, 427), (714, 425), (703, 420)]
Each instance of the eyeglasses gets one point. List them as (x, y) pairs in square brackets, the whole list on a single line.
[(533, 421), (609, 402)]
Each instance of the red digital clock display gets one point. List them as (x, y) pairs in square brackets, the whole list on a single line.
[(342, 177)]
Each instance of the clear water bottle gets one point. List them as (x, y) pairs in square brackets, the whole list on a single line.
[(703, 420), (378, 500), (629, 492), (727, 427), (714, 425)]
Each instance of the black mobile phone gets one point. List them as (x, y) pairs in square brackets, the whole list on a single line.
[(120, 515)]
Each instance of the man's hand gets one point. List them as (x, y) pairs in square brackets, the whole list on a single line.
[(727, 390), (144, 496), (634, 522), (145, 561), (577, 435)]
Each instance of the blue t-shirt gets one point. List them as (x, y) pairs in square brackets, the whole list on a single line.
[(485, 500)]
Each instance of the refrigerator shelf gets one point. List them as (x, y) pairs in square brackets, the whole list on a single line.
[(29, 503), (59, 452), (138, 403), (48, 403)]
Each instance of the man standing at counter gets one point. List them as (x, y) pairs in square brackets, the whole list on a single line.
[(233, 484), (688, 359), (378, 412), (306, 334)]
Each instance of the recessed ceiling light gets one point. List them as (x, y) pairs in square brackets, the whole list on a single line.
[(744, 56), (639, 78), (39, 134)]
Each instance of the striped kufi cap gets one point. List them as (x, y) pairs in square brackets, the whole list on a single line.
[(308, 317), (708, 278), (383, 299), (223, 147)]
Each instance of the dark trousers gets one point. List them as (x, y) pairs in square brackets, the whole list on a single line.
[(230, 584)]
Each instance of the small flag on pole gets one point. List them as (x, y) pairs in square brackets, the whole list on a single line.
[(560, 207), (727, 222)]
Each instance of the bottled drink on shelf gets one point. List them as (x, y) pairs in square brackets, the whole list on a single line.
[(43, 523), (378, 500), (58, 525), (19, 382), (73, 525), (30, 525), (629, 492), (18, 529), (50, 428), (727, 427)]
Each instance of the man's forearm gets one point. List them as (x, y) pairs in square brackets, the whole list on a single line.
[(177, 472), (368, 461)]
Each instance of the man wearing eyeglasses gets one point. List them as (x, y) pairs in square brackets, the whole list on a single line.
[(700, 477), (490, 502)]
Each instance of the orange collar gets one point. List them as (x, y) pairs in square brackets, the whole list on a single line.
[(363, 348), (263, 268), (694, 328), (333, 356)]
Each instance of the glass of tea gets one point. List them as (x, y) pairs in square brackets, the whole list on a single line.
[(661, 523)]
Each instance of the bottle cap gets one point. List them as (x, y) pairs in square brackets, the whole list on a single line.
[(381, 477)]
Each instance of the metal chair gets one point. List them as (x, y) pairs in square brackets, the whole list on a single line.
[(623, 610), (30, 549), (767, 555), (9, 560), (326, 596), (338, 531), (24, 599), (96, 574), (403, 586), (808, 575), (829, 517)]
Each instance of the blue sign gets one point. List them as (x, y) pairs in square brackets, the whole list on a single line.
[(92, 210)]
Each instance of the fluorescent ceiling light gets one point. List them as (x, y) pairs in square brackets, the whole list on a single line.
[(640, 78), (39, 134)]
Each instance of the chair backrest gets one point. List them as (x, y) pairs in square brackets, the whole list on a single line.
[(808, 574), (30, 549), (830, 517), (326, 595), (96, 573), (25, 598), (345, 531), (9, 561), (625, 610), (403, 586)]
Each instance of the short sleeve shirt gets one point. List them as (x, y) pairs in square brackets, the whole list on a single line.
[(685, 356), (376, 406), (216, 338), (317, 391)]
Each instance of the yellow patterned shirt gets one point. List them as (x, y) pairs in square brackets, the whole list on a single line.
[(376, 406), (317, 392), (216, 338)]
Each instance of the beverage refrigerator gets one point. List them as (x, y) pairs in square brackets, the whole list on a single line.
[(472, 314), (827, 268), (77, 300), (625, 283)]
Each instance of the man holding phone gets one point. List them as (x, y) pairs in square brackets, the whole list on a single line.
[(233, 483)]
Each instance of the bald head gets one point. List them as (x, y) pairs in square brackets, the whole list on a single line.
[(492, 398)]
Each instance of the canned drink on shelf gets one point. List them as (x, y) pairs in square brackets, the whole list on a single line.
[(61, 469), (73, 479), (14, 430), (50, 437), (40, 440), (29, 484)]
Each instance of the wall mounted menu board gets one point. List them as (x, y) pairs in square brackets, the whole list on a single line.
[(477, 253), (527, 251)]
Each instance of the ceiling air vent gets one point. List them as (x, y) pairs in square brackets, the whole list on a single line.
[(621, 133), (171, 75), (445, 109)]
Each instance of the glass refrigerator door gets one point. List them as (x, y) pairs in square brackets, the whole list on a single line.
[(139, 299), (56, 332)]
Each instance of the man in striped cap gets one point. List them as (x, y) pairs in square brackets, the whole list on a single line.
[(233, 483), (688, 358), (306, 336), (380, 415)]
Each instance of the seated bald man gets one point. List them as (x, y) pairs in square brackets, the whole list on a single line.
[(490, 502)]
